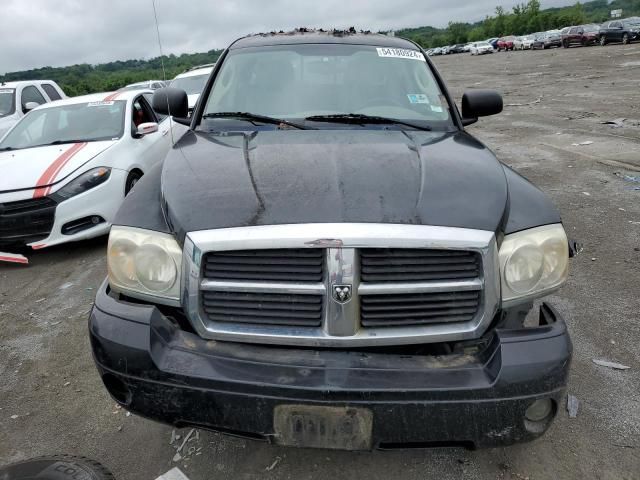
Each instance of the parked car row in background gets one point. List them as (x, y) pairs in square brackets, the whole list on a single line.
[(617, 31)]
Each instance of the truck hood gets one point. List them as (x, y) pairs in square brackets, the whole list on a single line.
[(287, 177), (42, 166)]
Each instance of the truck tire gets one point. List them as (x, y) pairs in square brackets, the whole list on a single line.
[(56, 467)]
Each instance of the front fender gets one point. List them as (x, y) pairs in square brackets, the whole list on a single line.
[(142, 208), (529, 207)]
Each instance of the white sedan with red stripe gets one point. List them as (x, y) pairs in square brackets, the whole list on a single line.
[(66, 166)]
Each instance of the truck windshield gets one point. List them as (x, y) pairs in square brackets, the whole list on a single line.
[(193, 84), (79, 122), (7, 101), (310, 80)]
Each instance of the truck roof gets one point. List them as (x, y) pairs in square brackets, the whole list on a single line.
[(19, 83), (303, 35)]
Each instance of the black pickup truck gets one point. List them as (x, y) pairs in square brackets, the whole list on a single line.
[(619, 31), (328, 259)]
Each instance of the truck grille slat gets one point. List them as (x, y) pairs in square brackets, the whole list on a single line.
[(416, 277), (380, 265), (371, 261), (265, 297), (295, 265), (421, 297), (263, 308), (262, 321), (410, 322), (395, 307)]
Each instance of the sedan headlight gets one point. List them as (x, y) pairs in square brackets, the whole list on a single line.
[(533, 262), (144, 264), (84, 182)]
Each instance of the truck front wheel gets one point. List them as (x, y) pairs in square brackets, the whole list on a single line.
[(57, 467)]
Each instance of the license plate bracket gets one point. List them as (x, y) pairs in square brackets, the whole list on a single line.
[(311, 426)]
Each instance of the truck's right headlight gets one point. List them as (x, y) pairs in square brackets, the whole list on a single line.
[(533, 262), (144, 264)]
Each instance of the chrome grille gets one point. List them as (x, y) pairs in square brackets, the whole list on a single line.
[(418, 309), (417, 265), (263, 308), (290, 265), (277, 284)]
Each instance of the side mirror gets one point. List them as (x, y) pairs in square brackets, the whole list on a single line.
[(171, 101), (146, 128), (480, 103), (27, 107)]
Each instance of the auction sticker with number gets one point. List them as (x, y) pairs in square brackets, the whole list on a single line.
[(99, 104), (401, 53)]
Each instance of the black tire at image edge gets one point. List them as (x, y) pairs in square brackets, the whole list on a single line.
[(56, 467)]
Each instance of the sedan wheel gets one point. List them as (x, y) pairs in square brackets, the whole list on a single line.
[(603, 41), (132, 179), (625, 39)]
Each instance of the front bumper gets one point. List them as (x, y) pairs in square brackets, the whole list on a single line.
[(43, 227), (155, 369)]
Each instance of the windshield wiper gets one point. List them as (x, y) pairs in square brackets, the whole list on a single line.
[(6, 149), (255, 117), (63, 142), (359, 118)]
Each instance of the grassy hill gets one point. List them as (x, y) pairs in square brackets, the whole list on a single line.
[(524, 18), (84, 78)]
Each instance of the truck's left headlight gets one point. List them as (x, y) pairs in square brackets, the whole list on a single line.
[(533, 262), (144, 264)]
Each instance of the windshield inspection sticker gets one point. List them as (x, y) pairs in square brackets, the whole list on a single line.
[(418, 98), (6, 90), (99, 104), (400, 53)]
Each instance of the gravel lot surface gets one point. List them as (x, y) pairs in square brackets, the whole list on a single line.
[(52, 401)]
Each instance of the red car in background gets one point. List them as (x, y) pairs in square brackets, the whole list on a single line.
[(583, 35), (506, 43)]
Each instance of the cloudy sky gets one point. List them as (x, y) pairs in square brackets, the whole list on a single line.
[(37, 33)]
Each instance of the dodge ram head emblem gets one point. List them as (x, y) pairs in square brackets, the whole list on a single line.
[(342, 293)]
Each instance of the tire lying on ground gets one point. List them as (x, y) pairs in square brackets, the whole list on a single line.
[(56, 467)]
